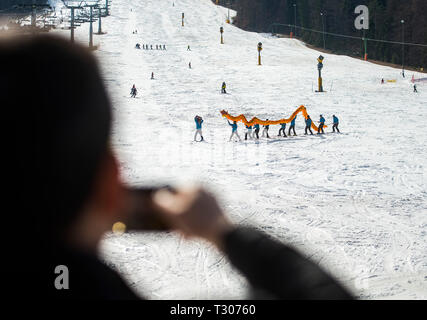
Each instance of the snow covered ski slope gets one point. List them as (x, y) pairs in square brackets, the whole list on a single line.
[(356, 203)]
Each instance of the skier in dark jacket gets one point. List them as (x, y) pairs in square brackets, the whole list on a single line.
[(415, 88), (73, 193), (308, 123), (336, 123), (292, 126), (321, 125), (282, 128), (133, 91), (256, 128), (223, 86)]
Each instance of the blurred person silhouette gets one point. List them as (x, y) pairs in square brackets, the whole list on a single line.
[(66, 191)]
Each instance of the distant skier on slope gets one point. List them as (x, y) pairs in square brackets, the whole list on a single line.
[(415, 88), (234, 130), (152, 75), (256, 127), (199, 122), (223, 87), (189, 65), (308, 123), (382, 81), (137, 46), (336, 123), (133, 92), (265, 130), (321, 125), (292, 127), (282, 128), (248, 133), (188, 48)]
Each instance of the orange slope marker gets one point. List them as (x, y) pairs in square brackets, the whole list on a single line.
[(255, 120)]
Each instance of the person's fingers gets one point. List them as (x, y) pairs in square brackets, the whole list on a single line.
[(174, 208), (166, 201)]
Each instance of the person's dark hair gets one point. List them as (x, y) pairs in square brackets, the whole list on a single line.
[(61, 118)]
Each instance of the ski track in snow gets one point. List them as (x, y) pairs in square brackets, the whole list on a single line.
[(355, 203)]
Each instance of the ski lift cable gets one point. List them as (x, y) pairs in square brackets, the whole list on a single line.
[(350, 37)]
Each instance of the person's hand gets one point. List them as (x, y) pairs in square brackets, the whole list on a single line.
[(193, 212)]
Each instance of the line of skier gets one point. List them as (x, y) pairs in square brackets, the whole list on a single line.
[(256, 128), (150, 47)]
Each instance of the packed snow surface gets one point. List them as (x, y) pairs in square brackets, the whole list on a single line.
[(355, 202)]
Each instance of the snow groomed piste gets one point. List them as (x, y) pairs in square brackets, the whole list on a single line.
[(355, 202), (302, 109)]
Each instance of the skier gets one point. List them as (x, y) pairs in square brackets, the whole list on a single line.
[(248, 133), (188, 48), (382, 81), (189, 64), (415, 88), (321, 125), (403, 73), (143, 46), (199, 122), (336, 123), (152, 75), (133, 92), (223, 88), (265, 130), (256, 127), (164, 47), (282, 128), (157, 47), (308, 122), (138, 46), (234, 130), (151, 46), (292, 127)]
